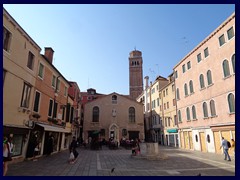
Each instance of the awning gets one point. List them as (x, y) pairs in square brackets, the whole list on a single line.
[(172, 130), (53, 128)]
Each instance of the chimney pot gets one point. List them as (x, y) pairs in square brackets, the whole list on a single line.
[(49, 54)]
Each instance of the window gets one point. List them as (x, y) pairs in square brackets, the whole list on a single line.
[(153, 90), (65, 91), (233, 63), (176, 74), (30, 63), (55, 107), (95, 114), (173, 88), (166, 91), (199, 57), (221, 40), (231, 103), (58, 84), (206, 53), (25, 95), (153, 104), (40, 71), (131, 114), (194, 112), (226, 71), (114, 99), (36, 102), (208, 138), (188, 113), (177, 94), (167, 105), (53, 81), (196, 138), (174, 102), (183, 68), (209, 77), (169, 121), (179, 116), (185, 89), (164, 106), (230, 33), (201, 78), (63, 113), (166, 122), (175, 120), (158, 102), (189, 65), (124, 132), (205, 111), (191, 86), (50, 108), (212, 108), (6, 39)]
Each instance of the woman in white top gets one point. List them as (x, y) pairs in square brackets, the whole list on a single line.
[(7, 148)]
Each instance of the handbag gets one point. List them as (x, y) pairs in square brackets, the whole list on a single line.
[(9, 158), (71, 157)]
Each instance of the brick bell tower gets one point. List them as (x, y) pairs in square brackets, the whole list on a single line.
[(135, 74)]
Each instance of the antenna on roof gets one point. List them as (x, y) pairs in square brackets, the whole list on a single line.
[(135, 48)]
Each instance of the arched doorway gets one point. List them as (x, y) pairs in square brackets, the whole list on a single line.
[(114, 132)]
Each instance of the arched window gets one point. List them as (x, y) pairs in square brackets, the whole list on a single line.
[(177, 94), (131, 114), (205, 111), (188, 113), (95, 114), (185, 89), (231, 103), (124, 132), (212, 108), (233, 63), (208, 138), (209, 77), (114, 99), (226, 71), (201, 79), (179, 116), (191, 87), (196, 137), (194, 112)]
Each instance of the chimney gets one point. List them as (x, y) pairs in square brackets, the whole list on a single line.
[(49, 53), (146, 82)]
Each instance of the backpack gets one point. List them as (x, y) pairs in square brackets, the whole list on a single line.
[(228, 144)]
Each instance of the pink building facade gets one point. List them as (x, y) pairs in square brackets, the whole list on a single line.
[(205, 91)]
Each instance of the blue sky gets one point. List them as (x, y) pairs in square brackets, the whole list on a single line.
[(92, 42)]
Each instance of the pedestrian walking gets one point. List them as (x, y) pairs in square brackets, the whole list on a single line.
[(7, 153), (73, 151), (225, 147)]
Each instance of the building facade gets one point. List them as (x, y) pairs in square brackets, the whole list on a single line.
[(205, 91), (20, 59), (36, 103), (114, 116), (168, 116)]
